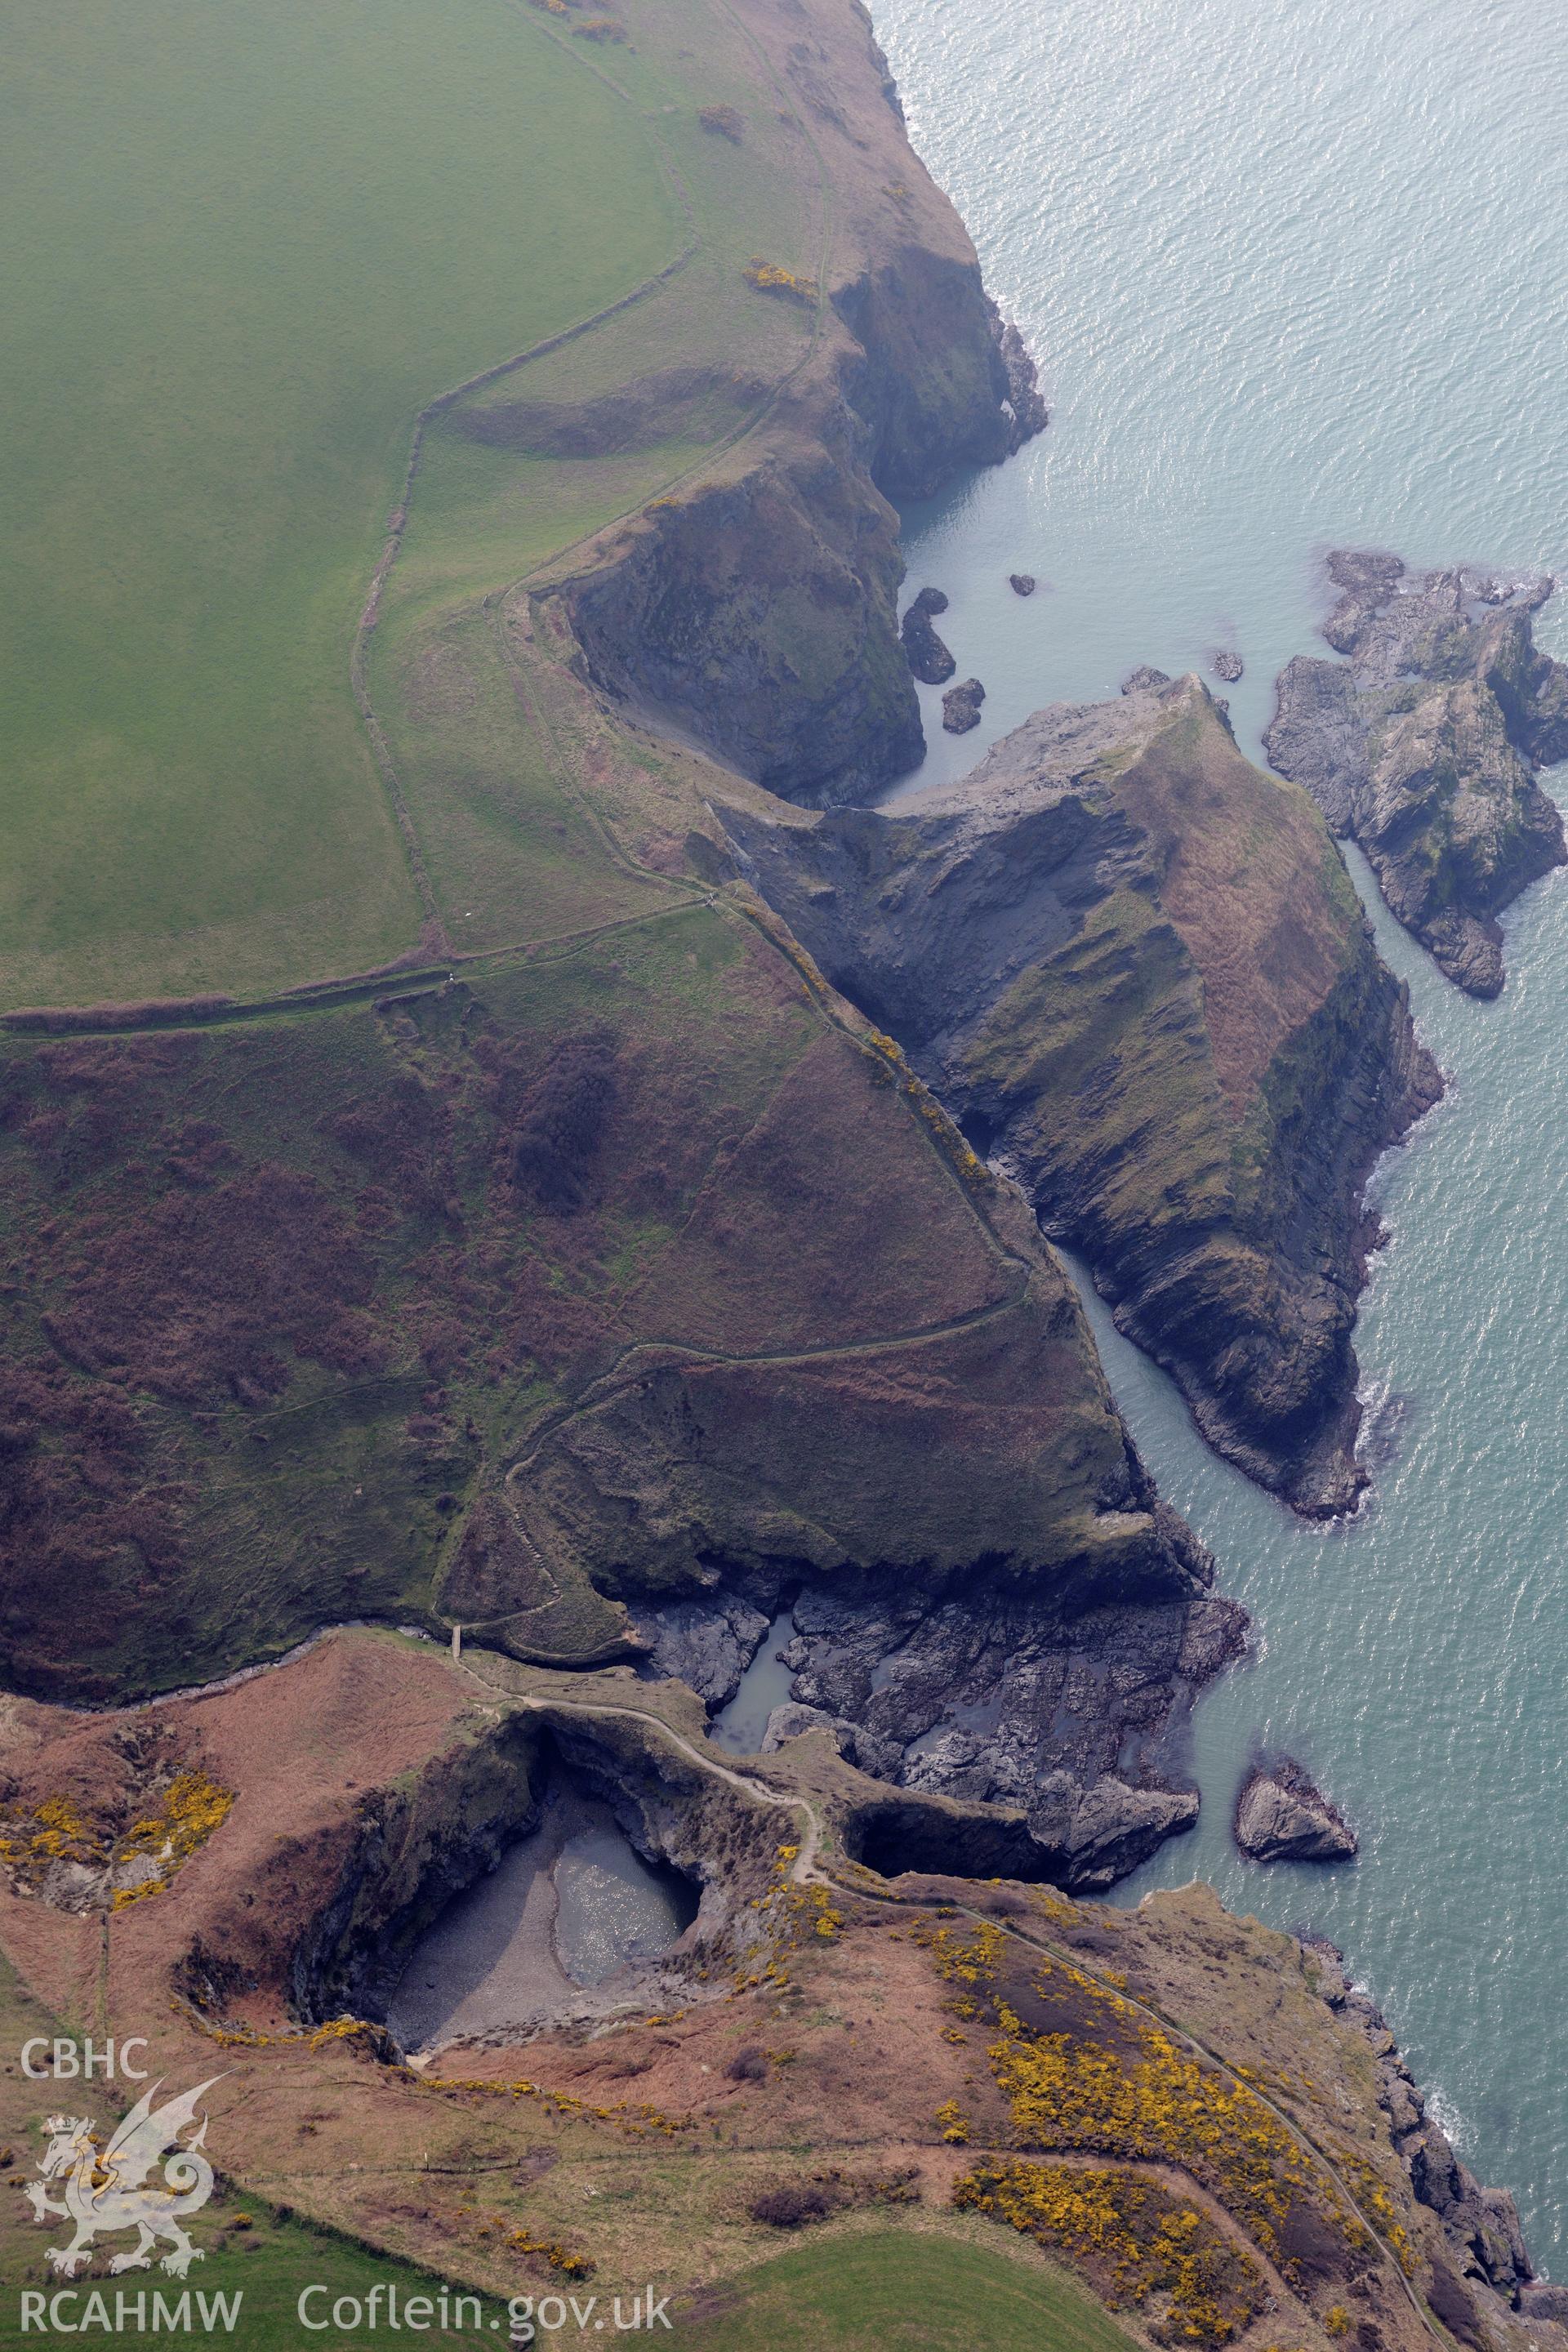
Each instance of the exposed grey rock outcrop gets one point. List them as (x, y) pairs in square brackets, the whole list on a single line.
[(924, 651), (1481, 2225), (1139, 681), (791, 1720), (706, 1644), (961, 706), (1280, 1816), (1423, 746), (1022, 583), (992, 1700), (1226, 664)]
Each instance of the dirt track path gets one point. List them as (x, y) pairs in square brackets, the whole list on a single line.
[(807, 1870)]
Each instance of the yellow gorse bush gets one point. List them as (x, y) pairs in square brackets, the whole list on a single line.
[(191, 1807), (1134, 2235), (53, 1831), (1160, 2107), (773, 278)]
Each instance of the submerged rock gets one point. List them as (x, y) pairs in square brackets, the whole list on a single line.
[(923, 649), (1022, 583), (1423, 744), (1226, 664), (961, 706), (1281, 1816)]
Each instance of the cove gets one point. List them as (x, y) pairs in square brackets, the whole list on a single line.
[(570, 1908), (1289, 273)]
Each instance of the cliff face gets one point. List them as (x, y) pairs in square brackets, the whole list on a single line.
[(761, 614), (758, 611), (1423, 747), (1136, 970)]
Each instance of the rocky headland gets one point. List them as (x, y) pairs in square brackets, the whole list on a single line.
[(1134, 969), (756, 610), (1282, 1816), (1423, 746)]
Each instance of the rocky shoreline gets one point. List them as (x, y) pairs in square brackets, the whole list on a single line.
[(989, 1700), (1423, 746), (1481, 2225)]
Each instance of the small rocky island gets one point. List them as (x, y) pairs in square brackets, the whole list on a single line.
[(1282, 1816), (923, 649), (960, 706), (1423, 745), (1022, 583)]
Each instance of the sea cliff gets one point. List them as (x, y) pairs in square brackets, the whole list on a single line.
[(757, 610), (1134, 969)]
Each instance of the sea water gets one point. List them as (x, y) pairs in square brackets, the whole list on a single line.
[(1297, 275), (740, 1726)]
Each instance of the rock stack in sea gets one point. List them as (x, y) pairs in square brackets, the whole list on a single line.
[(960, 706), (1282, 1816), (923, 649)]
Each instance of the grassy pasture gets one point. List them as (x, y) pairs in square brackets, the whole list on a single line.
[(894, 2290), (260, 238), (492, 793), (249, 2249)]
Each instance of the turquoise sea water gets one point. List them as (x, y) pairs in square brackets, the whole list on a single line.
[(1297, 277)]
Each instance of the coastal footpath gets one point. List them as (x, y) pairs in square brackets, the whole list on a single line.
[(659, 1244)]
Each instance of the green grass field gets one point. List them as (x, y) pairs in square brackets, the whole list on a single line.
[(895, 2291), (260, 238)]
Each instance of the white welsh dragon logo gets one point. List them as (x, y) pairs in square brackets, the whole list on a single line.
[(108, 2190)]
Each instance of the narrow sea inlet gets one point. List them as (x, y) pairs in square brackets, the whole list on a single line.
[(1290, 274)]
